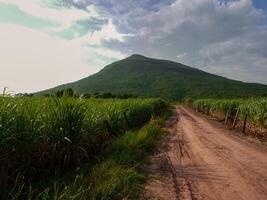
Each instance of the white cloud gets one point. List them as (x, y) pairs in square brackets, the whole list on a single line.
[(32, 60), (64, 16), (106, 33)]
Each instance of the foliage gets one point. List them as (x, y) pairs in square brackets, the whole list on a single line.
[(117, 176), (254, 108), (69, 92), (42, 137), (108, 95)]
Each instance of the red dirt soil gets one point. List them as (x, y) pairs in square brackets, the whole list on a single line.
[(199, 160)]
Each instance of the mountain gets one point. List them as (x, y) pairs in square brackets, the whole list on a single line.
[(145, 76)]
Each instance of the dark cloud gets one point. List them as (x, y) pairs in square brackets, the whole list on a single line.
[(116, 7), (224, 37)]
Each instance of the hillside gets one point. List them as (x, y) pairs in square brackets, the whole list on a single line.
[(161, 78)]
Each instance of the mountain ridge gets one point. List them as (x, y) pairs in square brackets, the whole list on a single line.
[(151, 77)]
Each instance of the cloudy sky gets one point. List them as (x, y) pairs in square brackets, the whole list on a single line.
[(44, 43)]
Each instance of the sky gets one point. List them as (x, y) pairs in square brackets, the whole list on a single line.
[(44, 43)]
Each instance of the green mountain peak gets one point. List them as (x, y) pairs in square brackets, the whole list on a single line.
[(143, 76)]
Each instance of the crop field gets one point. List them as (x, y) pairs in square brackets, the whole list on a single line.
[(48, 137), (252, 111)]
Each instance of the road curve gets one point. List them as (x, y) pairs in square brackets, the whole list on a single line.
[(199, 160)]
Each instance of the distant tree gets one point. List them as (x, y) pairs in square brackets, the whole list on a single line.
[(24, 95), (69, 92), (126, 96), (107, 96), (96, 94), (48, 95), (60, 93)]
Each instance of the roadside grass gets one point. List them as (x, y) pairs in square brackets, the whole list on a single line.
[(248, 116), (118, 174)]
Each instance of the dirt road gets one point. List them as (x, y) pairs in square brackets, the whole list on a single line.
[(199, 160)]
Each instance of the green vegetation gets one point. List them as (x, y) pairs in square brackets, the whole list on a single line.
[(255, 109), (116, 176), (71, 148), (144, 76), (119, 176), (71, 93)]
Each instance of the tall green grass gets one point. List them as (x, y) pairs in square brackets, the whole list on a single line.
[(117, 176), (255, 108), (47, 137)]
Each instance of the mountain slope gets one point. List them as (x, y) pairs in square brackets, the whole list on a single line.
[(161, 78)]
